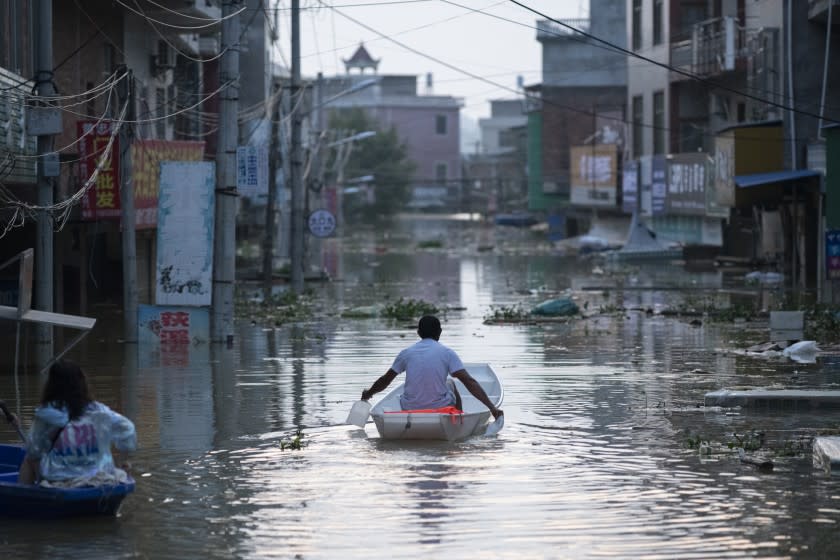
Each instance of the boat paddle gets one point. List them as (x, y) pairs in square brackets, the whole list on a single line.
[(12, 419), (496, 426), (359, 414)]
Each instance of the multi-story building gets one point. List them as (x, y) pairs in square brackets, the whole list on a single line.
[(580, 102), (429, 124), (748, 85)]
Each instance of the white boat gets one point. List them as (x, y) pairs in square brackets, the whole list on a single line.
[(394, 423)]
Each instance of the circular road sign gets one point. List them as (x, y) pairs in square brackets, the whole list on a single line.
[(321, 223)]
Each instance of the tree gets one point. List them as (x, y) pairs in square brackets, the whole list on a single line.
[(384, 156)]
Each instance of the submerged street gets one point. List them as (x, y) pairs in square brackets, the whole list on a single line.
[(607, 449)]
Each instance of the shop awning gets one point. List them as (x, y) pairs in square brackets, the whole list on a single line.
[(758, 179)]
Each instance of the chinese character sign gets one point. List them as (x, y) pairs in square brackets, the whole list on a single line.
[(170, 334), (688, 175), (252, 170), (185, 233), (630, 186), (832, 254), (102, 200), (658, 184), (594, 175)]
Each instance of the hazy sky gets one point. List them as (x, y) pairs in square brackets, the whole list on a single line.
[(476, 43)]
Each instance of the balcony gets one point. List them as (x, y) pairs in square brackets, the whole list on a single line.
[(716, 46), (818, 11), (548, 30)]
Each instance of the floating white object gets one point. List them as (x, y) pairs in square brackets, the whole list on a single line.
[(359, 414), (804, 351)]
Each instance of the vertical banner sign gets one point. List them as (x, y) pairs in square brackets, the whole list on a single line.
[(658, 185), (687, 179), (832, 254), (724, 170), (185, 233), (252, 171), (594, 175), (630, 186), (146, 156), (102, 200)]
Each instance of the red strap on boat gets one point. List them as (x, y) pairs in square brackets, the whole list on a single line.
[(442, 410)]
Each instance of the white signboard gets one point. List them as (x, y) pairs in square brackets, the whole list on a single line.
[(321, 223), (185, 233), (252, 170)]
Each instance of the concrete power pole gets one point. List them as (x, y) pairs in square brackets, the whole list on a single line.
[(129, 239), (224, 253), (44, 250), (296, 157), (273, 154)]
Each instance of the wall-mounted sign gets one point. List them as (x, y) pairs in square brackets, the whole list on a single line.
[(594, 178), (688, 175)]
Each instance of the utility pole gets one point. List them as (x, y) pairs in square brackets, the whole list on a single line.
[(296, 167), (125, 91), (273, 154), (224, 253), (44, 250)]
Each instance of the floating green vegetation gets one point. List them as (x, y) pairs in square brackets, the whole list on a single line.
[(283, 308), (822, 323), (404, 309), (430, 244), (697, 442), (749, 441), (295, 443), (507, 313)]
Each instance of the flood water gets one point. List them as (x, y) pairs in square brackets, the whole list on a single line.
[(594, 460)]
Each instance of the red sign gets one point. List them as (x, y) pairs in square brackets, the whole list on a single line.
[(102, 200)]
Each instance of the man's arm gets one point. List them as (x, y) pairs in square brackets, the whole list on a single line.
[(475, 389), (380, 384)]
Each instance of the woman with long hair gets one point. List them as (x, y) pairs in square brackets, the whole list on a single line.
[(70, 440)]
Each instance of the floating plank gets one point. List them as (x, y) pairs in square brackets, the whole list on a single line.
[(791, 400)]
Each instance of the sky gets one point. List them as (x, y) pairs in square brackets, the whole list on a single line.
[(484, 46)]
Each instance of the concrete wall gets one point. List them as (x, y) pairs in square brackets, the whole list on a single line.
[(416, 126), (563, 127), (644, 78), (571, 61)]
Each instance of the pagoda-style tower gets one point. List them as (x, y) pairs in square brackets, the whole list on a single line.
[(362, 60)]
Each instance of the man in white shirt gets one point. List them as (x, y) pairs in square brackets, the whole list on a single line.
[(428, 365)]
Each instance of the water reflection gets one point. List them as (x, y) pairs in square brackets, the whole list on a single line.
[(593, 460)]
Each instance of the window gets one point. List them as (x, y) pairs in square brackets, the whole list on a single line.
[(440, 171), (637, 24), (657, 21), (160, 113), (638, 129), (659, 122), (440, 124)]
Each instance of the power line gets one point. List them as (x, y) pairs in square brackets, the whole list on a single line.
[(680, 71)]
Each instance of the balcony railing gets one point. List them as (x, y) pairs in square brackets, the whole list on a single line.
[(547, 29), (716, 46)]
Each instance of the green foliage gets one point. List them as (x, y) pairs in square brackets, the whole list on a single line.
[(404, 309), (749, 441), (430, 244), (384, 156), (822, 323), (282, 308), (293, 444), (507, 313)]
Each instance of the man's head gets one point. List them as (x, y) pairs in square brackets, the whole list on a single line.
[(429, 327)]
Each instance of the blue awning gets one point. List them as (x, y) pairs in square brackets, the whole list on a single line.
[(757, 179)]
